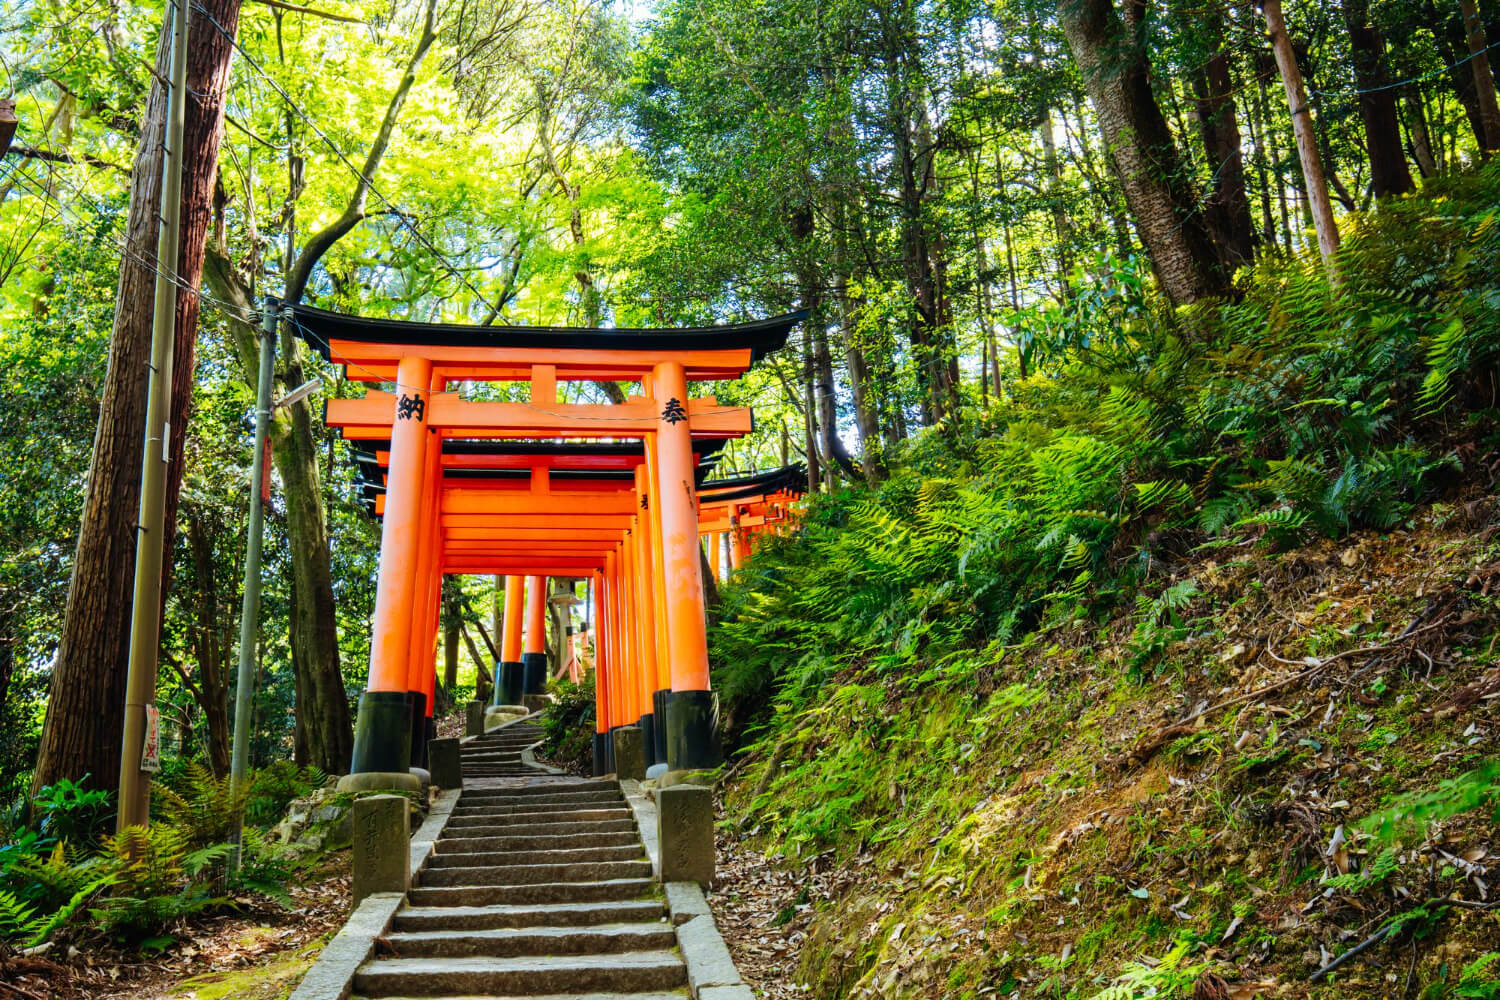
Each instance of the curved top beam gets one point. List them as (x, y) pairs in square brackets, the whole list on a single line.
[(339, 337)]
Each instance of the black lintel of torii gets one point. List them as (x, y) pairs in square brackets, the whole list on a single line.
[(320, 326)]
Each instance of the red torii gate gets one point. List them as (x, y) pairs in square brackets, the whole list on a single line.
[(745, 506), (421, 359), (492, 496)]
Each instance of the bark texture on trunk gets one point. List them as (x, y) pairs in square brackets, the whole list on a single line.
[(82, 731), (452, 613), (1484, 79), (1118, 78), (1227, 207), (1377, 103), (210, 645), (1315, 179)]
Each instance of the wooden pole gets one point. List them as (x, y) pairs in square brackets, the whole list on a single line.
[(1314, 178), (145, 619), (244, 693)]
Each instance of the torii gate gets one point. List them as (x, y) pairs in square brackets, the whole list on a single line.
[(745, 506), (488, 517), (421, 359)]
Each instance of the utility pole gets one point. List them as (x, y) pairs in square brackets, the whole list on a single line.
[(244, 694), (137, 760)]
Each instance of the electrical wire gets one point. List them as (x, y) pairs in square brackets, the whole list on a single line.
[(291, 103), (36, 188), (1356, 91)]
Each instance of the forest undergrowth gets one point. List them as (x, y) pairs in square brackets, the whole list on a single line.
[(1171, 674)]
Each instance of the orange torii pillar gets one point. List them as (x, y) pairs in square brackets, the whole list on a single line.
[(382, 731), (662, 689), (645, 598), (534, 659), (692, 709), (422, 665), (509, 673), (602, 743)]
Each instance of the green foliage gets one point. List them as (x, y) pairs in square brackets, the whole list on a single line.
[(274, 786), (1293, 412), (1480, 979), (154, 887), (1374, 873), (203, 809), (1173, 976), (1410, 815), (67, 811), (569, 722)]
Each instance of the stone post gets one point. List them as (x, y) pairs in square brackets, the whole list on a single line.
[(474, 718), (685, 828), (382, 845), (447, 770), (630, 756)]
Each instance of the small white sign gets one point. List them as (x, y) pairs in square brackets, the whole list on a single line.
[(151, 752)]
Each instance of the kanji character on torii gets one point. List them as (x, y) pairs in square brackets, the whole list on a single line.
[(639, 543)]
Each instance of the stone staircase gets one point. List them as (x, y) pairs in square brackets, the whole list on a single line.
[(538, 887), (498, 754)]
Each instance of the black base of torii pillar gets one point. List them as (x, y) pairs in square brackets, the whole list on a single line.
[(510, 683), (692, 731)]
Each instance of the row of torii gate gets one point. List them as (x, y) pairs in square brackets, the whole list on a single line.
[(614, 494)]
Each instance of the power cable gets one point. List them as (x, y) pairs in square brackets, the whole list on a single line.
[(401, 216)]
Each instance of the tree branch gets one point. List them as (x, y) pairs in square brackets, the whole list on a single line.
[(354, 212)]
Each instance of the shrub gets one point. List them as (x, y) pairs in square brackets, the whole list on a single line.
[(569, 723), (68, 811)]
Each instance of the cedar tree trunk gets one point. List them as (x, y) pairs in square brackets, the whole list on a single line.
[(86, 698), (1118, 78)]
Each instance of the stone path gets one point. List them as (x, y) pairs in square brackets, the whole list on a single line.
[(538, 887)]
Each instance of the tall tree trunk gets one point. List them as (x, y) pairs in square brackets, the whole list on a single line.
[(1421, 139), (324, 714), (1062, 231), (1227, 208), (1377, 103), (810, 414), (1302, 131), (1118, 77), (1484, 79), (210, 646), (83, 727), (1446, 24), (913, 166), (1258, 138), (452, 610)]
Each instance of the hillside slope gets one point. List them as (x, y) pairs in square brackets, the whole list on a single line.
[(1048, 822), (1170, 670)]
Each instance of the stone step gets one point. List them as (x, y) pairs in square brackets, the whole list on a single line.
[(487, 829), (512, 875), (678, 994), (532, 807), (437, 918), (449, 858), (546, 787), (560, 816), (465, 844), (629, 971), (560, 798), (615, 890), (507, 942)]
